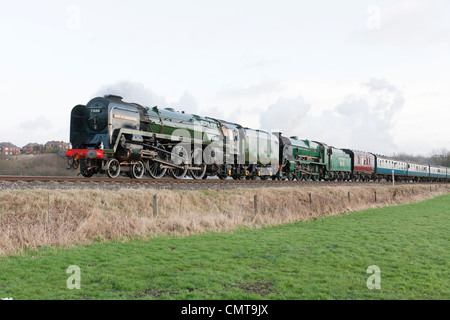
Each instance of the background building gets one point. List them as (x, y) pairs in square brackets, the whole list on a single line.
[(8, 149), (33, 148), (56, 145)]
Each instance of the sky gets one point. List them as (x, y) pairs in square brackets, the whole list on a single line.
[(367, 75)]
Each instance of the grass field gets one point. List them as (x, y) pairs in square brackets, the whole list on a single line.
[(325, 258)]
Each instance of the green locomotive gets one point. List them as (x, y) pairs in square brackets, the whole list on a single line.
[(115, 137), (305, 160)]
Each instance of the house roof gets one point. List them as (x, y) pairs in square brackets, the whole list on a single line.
[(31, 145), (7, 144), (55, 142)]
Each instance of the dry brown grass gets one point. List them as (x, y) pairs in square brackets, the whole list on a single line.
[(39, 165), (76, 216)]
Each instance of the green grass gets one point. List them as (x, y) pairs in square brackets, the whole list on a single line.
[(321, 259)]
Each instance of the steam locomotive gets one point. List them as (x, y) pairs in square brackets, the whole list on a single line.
[(111, 136)]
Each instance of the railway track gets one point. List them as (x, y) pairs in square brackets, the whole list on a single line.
[(164, 181), (122, 180)]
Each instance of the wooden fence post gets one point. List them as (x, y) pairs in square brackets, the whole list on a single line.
[(48, 210), (155, 205)]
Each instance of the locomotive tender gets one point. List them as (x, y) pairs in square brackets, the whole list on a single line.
[(111, 136)]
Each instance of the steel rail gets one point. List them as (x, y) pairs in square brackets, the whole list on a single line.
[(193, 181)]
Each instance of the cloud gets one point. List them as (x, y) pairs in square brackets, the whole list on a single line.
[(380, 84), (258, 89), (187, 103), (136, 92), (409, 24), (133, 92), (39, 123), (285, 114), (252, 63), (362, 121)]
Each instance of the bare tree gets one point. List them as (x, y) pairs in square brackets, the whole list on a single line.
[(440, 157)]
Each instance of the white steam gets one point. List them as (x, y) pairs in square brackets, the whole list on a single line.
[(363, 121), (133, 92), (136, 92)]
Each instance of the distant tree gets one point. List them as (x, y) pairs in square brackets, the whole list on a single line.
[(50, 149), (436, 157), (441, 157), (412, 158)]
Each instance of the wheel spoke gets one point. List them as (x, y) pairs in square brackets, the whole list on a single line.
[(154, 169), (197, 161), (138, 170), (113, 168), (179, 156)]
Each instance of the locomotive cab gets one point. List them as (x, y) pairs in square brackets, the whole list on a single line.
[(88, 127)]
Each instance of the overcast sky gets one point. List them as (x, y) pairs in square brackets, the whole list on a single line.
[(371, 75)]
